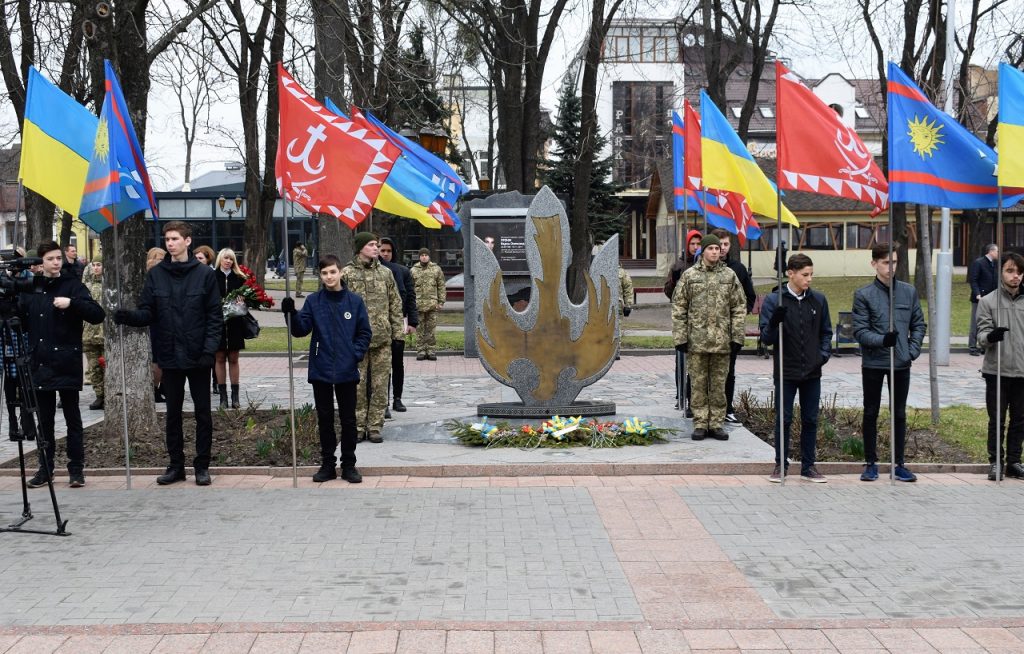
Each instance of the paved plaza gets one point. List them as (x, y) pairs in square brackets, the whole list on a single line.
[(504, 558)]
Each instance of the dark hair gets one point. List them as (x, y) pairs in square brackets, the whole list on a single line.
[(386, 241), (183, 228), (881, 250), (46, 246), (328, 260), (1017, 260), (721, 233), (799, 261)]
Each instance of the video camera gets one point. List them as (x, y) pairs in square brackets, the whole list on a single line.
[(12, 279)]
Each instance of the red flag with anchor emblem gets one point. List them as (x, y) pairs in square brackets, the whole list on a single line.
[(327, 163), (817, 152)]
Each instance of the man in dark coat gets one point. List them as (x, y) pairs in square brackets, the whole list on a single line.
[(981, 275), (72, 264), (53, 321), (181, 302), (407, 291), (725, 240), (341, 336)]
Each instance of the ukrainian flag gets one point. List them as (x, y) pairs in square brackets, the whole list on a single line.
[(1011, 126), (56, 143), (728, 166)]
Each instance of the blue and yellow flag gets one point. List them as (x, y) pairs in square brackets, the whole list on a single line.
[(1011, 126), (727, 165), (118, 183), (933, 159), (56, 143)]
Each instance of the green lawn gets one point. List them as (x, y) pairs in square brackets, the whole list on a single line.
[(839, 291)]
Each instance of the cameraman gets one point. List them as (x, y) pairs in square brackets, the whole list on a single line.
[(53, 321)]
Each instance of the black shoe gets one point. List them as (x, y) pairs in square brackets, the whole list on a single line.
[(326, 472), (699, 434), (38, 480), (421, 356), (96, 404), (203, 477), (387, 413), (351, 475), (1015, 470), (431, 357), (77, 480), (398, 406), (975, 352), (731, 418), (171, 476), (222, 390), (993, 472), (158, 395), (689, 412), (235, 404), (375, 438), (719, 434)]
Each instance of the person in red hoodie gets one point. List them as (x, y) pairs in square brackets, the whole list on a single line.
[(687, 259)]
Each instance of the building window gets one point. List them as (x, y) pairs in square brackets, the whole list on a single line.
[(861, 112), (641, 44), (640, 131), (736, 111), (766, 112)]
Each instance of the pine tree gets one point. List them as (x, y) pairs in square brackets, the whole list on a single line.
[(558, 171)]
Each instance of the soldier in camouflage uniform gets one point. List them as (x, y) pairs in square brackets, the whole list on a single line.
[(92, 335), (376, 285), (708, 310), (299, 255), (430, 297)]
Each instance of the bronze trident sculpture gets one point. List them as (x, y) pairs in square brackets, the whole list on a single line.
[(551, 350)]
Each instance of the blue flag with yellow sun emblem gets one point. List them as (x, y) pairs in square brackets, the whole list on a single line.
[(117, 185), (933, 159)]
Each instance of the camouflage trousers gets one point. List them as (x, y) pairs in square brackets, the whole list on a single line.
[(94, 373), (374, 371), (425, 341), (707, 380), (300, 276)]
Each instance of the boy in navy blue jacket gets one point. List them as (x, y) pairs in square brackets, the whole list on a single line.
[(341, 336), (806, 347)]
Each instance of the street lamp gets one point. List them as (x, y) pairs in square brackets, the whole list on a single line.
[(221, 201)]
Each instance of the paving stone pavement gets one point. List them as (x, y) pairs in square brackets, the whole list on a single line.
[(870, 552)]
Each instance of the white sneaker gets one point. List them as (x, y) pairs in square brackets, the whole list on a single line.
[(732, 419)]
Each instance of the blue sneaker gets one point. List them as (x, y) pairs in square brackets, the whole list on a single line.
[(902, 474), (870, 472)]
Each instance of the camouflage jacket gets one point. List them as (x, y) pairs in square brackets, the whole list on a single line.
[(625, 288), (708, 308), (376, 285), (93, 334), (299, 258), (430, 291)]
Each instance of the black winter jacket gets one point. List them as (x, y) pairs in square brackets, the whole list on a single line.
[(871, 322), (982, 277), (181, 302), (406, 289), (744, 276), (55, 335), (806, 333), (341, 334)]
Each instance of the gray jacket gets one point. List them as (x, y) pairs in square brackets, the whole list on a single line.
[(871, 322), (1010, 314)]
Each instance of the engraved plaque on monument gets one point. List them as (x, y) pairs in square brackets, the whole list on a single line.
[(549, 349)]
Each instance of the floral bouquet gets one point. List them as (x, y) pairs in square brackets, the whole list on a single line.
[(559, 432), (250, 295)]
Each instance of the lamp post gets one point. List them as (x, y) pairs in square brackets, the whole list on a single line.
[(221, 201)]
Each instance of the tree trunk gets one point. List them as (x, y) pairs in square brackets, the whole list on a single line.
[(39, 216)]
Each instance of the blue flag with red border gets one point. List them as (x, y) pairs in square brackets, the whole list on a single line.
[(117, 185), (685, 197), (933, 159)]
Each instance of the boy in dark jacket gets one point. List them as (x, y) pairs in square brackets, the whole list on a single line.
[(407, 291), (341, 336), (181, 302), (806, 347), (53, 322), (878, 343)]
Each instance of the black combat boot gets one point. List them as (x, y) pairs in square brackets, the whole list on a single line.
[(222, 389), (235, 404)]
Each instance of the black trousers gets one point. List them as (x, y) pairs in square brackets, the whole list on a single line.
[(730, 382), (72, 417), (323, 399), (1011, 400), (872, 379), (174, 390), (398, 368), (810, 398)]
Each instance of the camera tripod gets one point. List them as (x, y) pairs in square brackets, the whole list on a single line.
[(23, 396)]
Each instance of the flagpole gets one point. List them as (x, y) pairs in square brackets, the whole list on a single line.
[(780, 441), (124, 385), (291, 364), (999, 344), (892, 360)]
